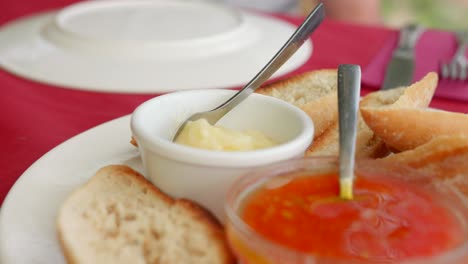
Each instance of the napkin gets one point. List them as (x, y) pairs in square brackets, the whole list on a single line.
[(433, 47)]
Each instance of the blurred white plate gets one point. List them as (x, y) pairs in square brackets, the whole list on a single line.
[(27, 217), (145, 46)]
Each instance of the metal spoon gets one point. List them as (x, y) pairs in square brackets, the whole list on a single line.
[(349, 84), (309, 25)]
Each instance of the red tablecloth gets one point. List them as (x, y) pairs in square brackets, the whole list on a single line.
[(36, 117)]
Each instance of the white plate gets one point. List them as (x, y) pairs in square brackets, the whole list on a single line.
[(27, 217), (145, 46)]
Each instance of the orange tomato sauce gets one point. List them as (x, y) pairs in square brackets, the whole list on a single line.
[(387, 220)]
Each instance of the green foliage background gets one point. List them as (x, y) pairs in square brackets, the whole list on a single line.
[(442, 14)]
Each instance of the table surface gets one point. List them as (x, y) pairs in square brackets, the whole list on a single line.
[(36, 117)]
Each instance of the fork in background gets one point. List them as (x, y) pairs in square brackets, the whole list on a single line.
[(457, 67)]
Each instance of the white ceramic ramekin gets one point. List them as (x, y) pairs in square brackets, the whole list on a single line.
[(204, 175)]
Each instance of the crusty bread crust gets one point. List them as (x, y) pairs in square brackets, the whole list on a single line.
[(443, 158), (326, 144), (315, 92), (407, 128), (368, 145), (433, 152), (323, 112), (312, 83), (115, 183), (418, 94)]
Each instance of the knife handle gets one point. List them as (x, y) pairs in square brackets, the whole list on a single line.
[(409, 36)]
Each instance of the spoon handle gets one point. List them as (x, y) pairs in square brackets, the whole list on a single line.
[(301, 34), (349, 83), (312, 21)]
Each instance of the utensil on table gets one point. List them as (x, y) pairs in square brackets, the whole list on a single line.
[(457, 67), (312, 21), (400, 70), (349, 83)]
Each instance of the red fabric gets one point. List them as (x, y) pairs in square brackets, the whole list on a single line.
[(433, 48), (36, 117)]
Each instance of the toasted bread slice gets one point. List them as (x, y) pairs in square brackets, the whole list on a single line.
[(433, 155), (374, 107), (314, 92), (368, 144), (418, 94), (326, 144), (407, 128), (120, 217), (444, 158)]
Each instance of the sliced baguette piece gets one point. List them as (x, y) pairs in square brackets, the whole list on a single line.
[(433, 155), (407, 128), (120, 217), (326, 144), (444, 158), (368, 144), (418, 94), (314, 92)]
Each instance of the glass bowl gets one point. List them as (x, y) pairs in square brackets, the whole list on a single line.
[(252, 247)]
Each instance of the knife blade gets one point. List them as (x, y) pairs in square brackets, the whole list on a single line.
[(400, 70)]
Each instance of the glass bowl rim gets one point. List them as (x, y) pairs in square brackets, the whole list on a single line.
[(260, 175)]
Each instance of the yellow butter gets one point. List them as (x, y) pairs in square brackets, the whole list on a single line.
[(201, 134)]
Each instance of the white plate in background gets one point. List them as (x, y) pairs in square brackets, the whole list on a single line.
[(145, 46)]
